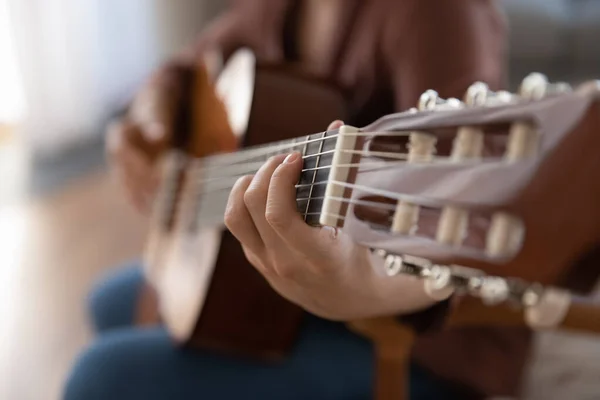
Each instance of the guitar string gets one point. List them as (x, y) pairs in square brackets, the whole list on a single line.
[(254, 167), (209, 216), (229, 185), (251, 153), (373, 205), (225, 157), (257, 152), (209, 221), (268, 149), (375, 166)]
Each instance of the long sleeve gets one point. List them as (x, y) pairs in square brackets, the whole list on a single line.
[(444, 46), (254, 24), (257, 25)]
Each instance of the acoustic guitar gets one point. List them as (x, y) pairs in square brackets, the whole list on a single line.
[(493, 197), (209, 295)]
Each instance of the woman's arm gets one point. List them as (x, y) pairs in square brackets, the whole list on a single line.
[(320, 269), (445, 47)]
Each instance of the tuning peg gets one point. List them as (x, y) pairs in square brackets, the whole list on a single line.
[(429, 100), (479, 94), (438, 283), (451, 104), (536, 86), (550, 309), (393, 263), (491, 290)]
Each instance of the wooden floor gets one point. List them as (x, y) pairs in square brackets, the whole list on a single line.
[(51, 251)]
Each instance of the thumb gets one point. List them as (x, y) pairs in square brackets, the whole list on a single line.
[(156, 105)]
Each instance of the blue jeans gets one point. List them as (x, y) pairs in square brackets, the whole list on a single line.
[(127, 363)]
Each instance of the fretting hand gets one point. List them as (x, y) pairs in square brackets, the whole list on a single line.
[(320, 269)]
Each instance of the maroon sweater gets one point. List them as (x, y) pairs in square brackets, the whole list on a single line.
[(387, 52)]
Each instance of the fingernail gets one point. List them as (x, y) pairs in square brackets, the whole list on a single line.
[(292, 158), (335, 124)]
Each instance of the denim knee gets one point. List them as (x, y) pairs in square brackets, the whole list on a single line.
[(113, 300)]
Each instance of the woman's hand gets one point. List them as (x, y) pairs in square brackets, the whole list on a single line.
[(135, 142), (320, 269)]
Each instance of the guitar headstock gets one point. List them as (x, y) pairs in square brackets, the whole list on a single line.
[(499, 182)]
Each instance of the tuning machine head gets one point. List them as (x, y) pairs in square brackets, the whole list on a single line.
[(536, 86), (479, 94), (430, 100)]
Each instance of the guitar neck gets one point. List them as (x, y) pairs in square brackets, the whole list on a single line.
[(198, 188)]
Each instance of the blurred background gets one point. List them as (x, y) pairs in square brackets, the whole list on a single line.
[(67, 67)]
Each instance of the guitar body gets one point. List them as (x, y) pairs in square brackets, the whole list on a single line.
[(210, 297)]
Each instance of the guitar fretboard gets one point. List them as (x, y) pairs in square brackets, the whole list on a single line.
[(318, 157)]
